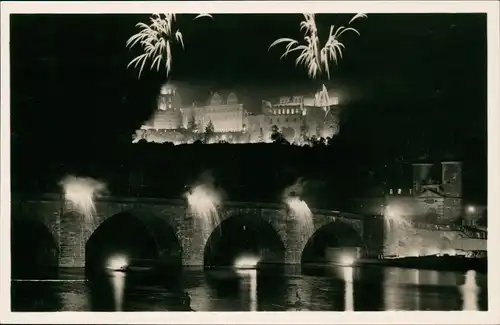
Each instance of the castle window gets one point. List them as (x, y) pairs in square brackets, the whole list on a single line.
[(390, 191), (399, 191), (411, 191)]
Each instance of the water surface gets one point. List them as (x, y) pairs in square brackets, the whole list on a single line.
[(326, 288)]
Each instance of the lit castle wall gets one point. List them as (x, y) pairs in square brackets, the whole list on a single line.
[(225, 113), (295, 117)]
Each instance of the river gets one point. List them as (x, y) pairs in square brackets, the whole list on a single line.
[(325, 288)]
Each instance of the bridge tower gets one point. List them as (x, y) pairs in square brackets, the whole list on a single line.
[(451, 172), (421, 173)]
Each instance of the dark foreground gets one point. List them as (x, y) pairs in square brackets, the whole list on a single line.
[(320, 288)]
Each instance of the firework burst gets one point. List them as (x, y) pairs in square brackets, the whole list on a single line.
[(313, 56), (316, 58), (156, 40)]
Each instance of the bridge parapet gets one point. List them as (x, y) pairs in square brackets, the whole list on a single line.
[(178, 201)]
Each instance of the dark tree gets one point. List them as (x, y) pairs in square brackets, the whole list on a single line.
[(304, 130), (209, 131), (277, 136), (192, 124)]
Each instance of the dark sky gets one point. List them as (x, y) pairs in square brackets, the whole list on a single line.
[(69, 77)]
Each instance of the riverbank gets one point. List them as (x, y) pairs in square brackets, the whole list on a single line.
[(438, 263)]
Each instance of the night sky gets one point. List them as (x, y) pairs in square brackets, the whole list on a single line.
[(70, 82)]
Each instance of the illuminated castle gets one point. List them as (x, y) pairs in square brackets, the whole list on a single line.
[(224, 111), (294, 116)]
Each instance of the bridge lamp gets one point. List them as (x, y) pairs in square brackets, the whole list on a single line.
[(347, 260), (471, 209), (246, 262), (117, 263)]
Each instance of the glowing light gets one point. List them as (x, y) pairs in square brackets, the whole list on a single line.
[(117, 263), (246, 262), (80, 192), (431, 251), (450, 252), (470, 291), (156, 41), (298, 208), (317, 60), (347, 260), (400, 239), (471, 209), (394, 216), (411, 253), (203, 201)]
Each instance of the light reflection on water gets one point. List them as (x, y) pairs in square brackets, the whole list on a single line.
[(249, 287), (118, 284), (329, 288), (349, 288), (470, 291)]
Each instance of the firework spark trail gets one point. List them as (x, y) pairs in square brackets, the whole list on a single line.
[(80, 193), (316, 59), (156, 40)]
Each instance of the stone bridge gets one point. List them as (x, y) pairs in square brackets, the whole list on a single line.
[(71, 232)]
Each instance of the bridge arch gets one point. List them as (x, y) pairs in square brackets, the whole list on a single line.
[(243, 234), (34, 248), (143, 238), (334, 234)]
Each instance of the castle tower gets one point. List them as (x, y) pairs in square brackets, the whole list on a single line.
[(451, 172), (168, 116), (421, 173)]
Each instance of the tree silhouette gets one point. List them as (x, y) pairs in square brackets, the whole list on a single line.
[(276, 135), (209, 131), (192, 124)]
